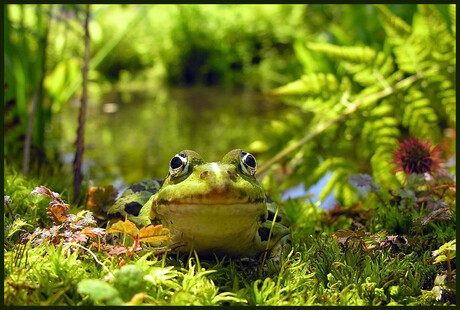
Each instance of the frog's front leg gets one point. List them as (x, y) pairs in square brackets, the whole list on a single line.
[(280, 240), (281, 248)]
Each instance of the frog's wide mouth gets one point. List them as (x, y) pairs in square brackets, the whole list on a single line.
[(202, 201)]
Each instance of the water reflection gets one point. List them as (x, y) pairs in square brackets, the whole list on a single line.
[(132, 136)]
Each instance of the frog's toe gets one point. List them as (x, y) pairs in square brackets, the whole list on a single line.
[(281, 248)]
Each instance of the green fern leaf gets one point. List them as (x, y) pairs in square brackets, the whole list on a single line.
[(419, 116), (310, 84), (452, 13), (431, 20), (396, 28), (346, 194), (411, 55), (357, 54)]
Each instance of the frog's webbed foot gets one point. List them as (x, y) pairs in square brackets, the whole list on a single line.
[(280, 249), (280, 241)]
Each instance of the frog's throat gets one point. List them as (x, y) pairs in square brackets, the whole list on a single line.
[(220, 229)]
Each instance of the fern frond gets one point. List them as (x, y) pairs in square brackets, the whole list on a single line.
[(367, 66), (309, 84), (395, 27), (452, 14), (357, 54), (439, 38), (339, 181), (411, 55), (330, 164), (371, 98), (381, 167), (419, 116), (448, 100), (380, 132), (346, 194), (372, 73)]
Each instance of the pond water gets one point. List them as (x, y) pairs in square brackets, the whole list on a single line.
[(132, 135)]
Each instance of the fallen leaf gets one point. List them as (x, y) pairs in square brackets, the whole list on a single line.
[(343, 235), (394, 242), (58, 213), (124, 227), (437, 215), (153, 234)]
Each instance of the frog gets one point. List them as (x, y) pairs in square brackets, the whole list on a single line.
[(214, 208)]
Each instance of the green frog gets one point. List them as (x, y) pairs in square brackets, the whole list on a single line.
[(214, 208)]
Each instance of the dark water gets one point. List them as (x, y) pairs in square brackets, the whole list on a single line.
[(131, 136)]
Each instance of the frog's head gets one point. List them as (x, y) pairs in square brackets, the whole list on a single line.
[(215, 207), (192, 181)]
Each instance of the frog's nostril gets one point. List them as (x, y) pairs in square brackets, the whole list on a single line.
[(231, 174), (204, 174)]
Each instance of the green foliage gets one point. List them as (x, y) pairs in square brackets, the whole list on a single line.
[(393, 243), (349, 267), (100, 292), (355, 115), (26, 208)]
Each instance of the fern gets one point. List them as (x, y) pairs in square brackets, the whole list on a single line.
[(353, 118), (452, 13), (309, 84), (396, 28), (419, 115), (341, 167)]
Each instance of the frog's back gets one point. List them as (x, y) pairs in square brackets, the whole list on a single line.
[(131, 201)]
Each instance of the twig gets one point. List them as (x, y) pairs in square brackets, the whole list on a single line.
[(81, 117), (94, 256), (34, 104), (30, 123), (6, 202)]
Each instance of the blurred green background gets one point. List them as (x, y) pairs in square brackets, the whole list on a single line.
[(164, 78)]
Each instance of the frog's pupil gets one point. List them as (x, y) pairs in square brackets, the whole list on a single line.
[(176, 162), (250, 161)]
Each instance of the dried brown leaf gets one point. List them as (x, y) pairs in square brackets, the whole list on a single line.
[(153, 234), (344, 235), (437, 215), (58, 213), (42, 190)]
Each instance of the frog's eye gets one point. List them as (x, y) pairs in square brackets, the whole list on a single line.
[(248, 163), (178, 164)]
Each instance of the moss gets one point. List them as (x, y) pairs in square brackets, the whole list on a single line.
[(331, 263)]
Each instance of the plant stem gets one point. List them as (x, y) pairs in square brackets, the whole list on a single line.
[(30, 123), (449, 267), (36, 99), (81, 118), (7, 201), (94, 256)]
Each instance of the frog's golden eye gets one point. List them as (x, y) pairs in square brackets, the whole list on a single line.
[(248, 163), (178, 164)]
